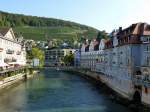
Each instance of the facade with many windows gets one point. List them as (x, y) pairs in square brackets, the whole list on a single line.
[(122, 61), (12, 51), (54, 56)]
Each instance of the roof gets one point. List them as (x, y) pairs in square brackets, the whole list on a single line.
[(87, 48), (136, 29), (3, 31), (53, 48), (1, 34)]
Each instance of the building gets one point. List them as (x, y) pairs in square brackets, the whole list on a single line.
[(122, 61), (12, 50), (77, 56), (54, 56), (35, 62)]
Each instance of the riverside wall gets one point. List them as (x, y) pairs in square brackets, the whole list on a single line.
[(14, 79), (122, 95)]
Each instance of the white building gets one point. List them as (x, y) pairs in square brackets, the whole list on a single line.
[(12, 52), (123, 61)]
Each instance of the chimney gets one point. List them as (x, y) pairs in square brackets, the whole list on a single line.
[(120, 29)]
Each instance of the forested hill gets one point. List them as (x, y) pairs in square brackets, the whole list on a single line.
[(8, 19), (42, 28)]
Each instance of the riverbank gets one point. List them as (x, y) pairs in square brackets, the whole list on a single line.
[(114, 95), (56, 91), (8, 81)]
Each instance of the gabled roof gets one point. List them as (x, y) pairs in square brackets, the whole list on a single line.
[(1, 34), (136, 29), (3, 31)]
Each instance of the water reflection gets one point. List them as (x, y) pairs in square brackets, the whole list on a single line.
[(53, 91)]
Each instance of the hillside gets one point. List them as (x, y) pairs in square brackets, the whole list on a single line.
[(41, 28)]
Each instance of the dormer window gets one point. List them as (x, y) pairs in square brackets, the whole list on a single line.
[(145, 39)]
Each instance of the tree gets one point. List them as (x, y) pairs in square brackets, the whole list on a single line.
[(36, 53), (69, 59), (102, 35)]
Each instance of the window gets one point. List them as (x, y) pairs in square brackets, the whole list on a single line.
[(114, 53), (147, 48), (114, 62), (145, 39), (146, 90), (148, 60)]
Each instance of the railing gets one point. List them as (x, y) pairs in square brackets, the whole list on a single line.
[(60, 67), (142, 80), (11, 69), (8, 60)]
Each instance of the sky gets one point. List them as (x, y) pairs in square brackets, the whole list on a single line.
[(101, 14)]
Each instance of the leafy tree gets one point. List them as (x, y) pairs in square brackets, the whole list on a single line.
[(102, 35), (36, 53), (54, 28), (69, 59)]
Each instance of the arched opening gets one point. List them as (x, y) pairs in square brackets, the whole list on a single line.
[(137, 97)]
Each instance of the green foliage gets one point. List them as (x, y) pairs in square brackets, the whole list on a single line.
[(69, 59), (102, 35), (36, 53), (41, 28)]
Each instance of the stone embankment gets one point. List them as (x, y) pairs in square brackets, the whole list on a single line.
[(114, 95), (8, 81)]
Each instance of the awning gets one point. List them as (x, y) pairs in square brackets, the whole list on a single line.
[(2, 64), (20, 63), (16, 63), (12, 63)]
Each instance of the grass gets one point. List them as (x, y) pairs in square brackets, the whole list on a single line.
[(60, 33)]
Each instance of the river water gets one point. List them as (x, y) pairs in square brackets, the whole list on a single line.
[(56, 91)]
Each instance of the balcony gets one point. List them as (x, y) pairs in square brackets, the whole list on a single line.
[(18, 53), (141, 80), (9, 51), (9, 60)]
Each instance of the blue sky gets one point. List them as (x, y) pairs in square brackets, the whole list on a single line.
[(101, 14)]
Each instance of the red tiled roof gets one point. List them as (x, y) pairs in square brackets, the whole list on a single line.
[(136, 29)]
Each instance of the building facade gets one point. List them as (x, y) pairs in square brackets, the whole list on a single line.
[(54, 56), (12, 51), (77, 58), (123, 61)]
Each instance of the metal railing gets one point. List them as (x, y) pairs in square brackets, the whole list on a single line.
[(11, 69)]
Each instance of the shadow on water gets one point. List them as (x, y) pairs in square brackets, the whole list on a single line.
[(56, 91), (133, 106)]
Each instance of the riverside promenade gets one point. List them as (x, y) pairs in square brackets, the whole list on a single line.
[(13, 75)]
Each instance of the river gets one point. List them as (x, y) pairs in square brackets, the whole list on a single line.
[(56, 91)]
